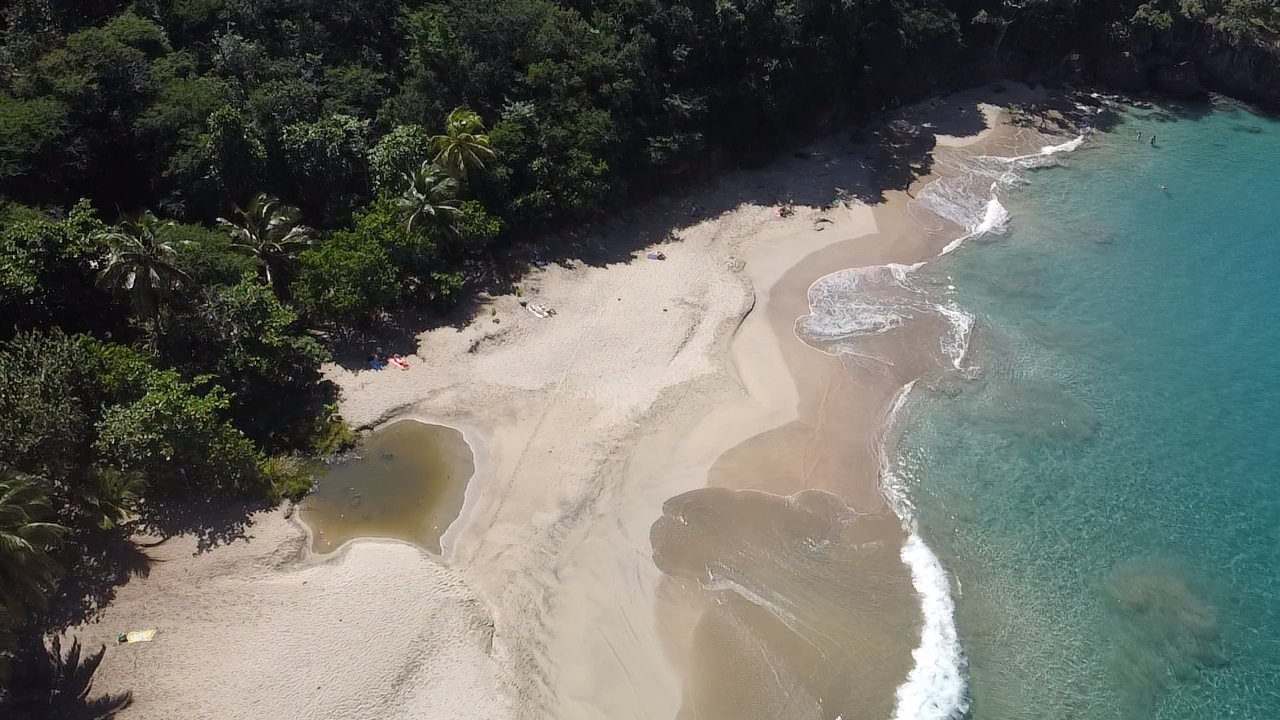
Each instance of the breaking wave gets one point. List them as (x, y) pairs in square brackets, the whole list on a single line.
[(856, 303), (968, 195), (935, 688)]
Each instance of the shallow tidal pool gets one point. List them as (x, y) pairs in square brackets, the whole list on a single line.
[(405, 481)]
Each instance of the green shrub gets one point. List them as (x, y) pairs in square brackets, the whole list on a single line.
[(287, 475), (345, 279), (332, 434)]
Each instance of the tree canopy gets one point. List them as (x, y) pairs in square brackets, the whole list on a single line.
[(194, 193)]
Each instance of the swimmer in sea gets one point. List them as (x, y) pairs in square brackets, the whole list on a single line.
[(1164, 187)]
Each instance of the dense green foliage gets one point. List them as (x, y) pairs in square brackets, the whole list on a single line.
[(189, 189), (140, 362), (1257, 21)]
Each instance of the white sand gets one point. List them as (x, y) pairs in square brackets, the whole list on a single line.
[(542, 605), (584, 423), (254, 630)]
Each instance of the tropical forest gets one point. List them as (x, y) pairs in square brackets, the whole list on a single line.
[(203, 202)]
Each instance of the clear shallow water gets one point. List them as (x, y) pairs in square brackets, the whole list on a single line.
[(1105, 487)]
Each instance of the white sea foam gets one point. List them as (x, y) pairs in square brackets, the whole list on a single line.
[(862, 301), (956, 343), (894, 490), (968, 196), (899, 401), (1068, 146), (995, 218), (935, 688), (850, 304)]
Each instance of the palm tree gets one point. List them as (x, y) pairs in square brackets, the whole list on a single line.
[(26, 570), (49, 684), (463, 146), (140, 263), (431, 197), (270, 230), (109, 495)]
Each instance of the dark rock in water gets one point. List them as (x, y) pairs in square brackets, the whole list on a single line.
[(1166, 626), (1124, 71), (1181, 81), (1036, 408), (1236, 68)]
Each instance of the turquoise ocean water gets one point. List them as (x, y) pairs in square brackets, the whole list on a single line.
[(1102, 484)]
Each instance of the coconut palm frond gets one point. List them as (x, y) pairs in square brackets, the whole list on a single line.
[(463, 147), (272, 232)]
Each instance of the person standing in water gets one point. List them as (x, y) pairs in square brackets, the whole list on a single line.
[(1139, 135), (1153, 141)]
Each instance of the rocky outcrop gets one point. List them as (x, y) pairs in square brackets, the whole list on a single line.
[(1125, 71), (1237, 68), (1191, 60), (1181, 80)]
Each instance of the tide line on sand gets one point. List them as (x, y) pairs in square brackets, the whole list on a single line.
[(847, 304)]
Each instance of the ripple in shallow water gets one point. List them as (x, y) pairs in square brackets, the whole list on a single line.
[(805, 609)]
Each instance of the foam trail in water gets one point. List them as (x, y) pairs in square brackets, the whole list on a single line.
[(956, 344), (894, 490), (861, 301), (871, 300), (935, 687), (1068, 146), (1032, 160), (725, 584), (969, 197), (899, 401), (995, 218)]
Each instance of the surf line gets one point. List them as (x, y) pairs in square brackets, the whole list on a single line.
[(936, 687)]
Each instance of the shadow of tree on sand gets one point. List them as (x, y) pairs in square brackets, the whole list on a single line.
[(213, 521), (850, 165), (98, 563), (45, 684), (103, 560)]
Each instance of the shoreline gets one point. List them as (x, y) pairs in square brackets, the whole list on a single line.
[(586, 430), (479, 455)]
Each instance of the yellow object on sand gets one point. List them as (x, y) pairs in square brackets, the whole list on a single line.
[(137, 636)]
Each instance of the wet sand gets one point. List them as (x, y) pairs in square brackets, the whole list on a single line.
[(796, 602), (786, 592), (675, 510)]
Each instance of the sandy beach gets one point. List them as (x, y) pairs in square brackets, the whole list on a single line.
[(645, 457)]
